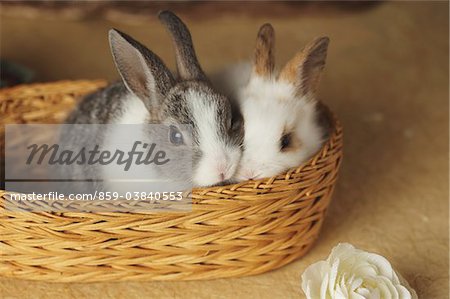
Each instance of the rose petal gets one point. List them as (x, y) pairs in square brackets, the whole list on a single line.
[(405, 284), (357, 283), (333, 275), (324, 287), (387, 289), (384, 268), (340, 292), (375, 294), (341, 251), (363, 292), (403, 292), (354, 295), (312, 279)]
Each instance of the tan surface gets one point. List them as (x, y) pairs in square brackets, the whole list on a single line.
[(387, 79)]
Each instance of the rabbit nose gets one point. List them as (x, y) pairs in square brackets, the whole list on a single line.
[(222, 169), (249, 174)]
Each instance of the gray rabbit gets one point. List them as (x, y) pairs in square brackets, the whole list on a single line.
[(149, 93)]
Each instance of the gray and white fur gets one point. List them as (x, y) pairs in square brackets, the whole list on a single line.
[(149, 93)]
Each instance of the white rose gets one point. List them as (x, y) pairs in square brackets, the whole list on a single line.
[(354, 274)]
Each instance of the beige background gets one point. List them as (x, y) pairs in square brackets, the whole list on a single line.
[(386, 78)]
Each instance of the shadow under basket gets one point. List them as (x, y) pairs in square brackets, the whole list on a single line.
[(234, 230)]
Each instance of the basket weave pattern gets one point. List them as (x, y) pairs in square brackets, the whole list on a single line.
[(235, 230)]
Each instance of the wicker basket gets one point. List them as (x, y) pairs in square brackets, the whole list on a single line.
[(236, 230)]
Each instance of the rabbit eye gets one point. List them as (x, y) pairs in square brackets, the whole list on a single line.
[(175, 136), (285, 141)]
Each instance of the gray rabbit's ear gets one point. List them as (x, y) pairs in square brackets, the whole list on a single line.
[(142, 71), (187, 63), (264, 56), (305, 69)]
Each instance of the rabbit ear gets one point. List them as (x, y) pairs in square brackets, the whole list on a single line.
[(142, 71), (187, 63), (264, 57), (305, 69)]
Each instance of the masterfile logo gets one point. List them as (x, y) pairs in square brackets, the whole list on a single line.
[(99, 163)]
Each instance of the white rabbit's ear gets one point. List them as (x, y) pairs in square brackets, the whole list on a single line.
[(142, 71), (305, 69), (264, 56)]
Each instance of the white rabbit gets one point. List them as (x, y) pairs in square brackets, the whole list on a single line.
[(280, 111)]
